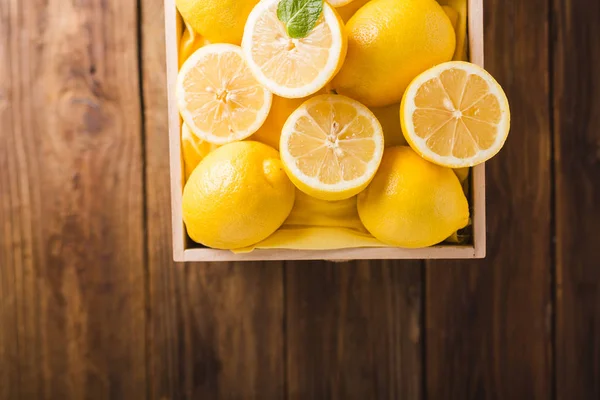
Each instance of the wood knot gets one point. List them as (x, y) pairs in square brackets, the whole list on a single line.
[(86, 114)]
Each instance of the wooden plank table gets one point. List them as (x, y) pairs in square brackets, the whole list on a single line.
[(91, 305)]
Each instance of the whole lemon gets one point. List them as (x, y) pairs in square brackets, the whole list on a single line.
[(281, 108), (347, 11), (390, 42), (411, 202), (218, 21), (390, 122), (237, 196)]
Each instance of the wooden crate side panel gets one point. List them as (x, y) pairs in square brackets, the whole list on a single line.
[(476, 55), (386, 253), (172, 53)]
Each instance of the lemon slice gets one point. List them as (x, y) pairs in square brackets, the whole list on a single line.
[(218, 97), (293, 68), (331, 147), (455, 115)]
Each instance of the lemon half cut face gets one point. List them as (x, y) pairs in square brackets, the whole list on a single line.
[(293, 68), (331, 147), (455, 115), (218, 97)]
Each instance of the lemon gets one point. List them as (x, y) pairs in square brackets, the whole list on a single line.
[(453, 15), (293, 68), (219, 21), (218, 97), (455, 115), (193, 150), (411, 202), (331, 147), (390, 42), (281, 109), (390, 122), (348, 10), (237, 196)]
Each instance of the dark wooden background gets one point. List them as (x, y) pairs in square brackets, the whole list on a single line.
[(91, 305)]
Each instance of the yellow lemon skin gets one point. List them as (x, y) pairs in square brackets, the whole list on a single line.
[(347, 11), (281, 108), (237, 196), (219, 21), (411, 202), (390, 42), (453, 15), (390, 122)]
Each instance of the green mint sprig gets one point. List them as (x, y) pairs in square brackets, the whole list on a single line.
[(299, 16)]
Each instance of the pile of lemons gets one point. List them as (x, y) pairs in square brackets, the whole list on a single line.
[(321, 96)]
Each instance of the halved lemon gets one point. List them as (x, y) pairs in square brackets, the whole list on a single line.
[(455, 115), (331, 147), (218, 97), (293, 68)]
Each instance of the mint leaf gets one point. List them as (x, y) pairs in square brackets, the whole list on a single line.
[(285, 10), (299, 16)]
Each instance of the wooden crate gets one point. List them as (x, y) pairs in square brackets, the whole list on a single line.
[(182, 250)]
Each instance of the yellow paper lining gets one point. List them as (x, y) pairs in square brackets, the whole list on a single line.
[(316, 224)]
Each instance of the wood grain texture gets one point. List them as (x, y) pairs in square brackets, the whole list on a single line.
[(75, 322), (71, 207), (215, 330), (9, 336), (353, 331), (576, 51), (217, 333), (489, 323)]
